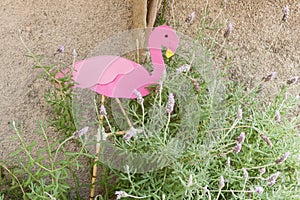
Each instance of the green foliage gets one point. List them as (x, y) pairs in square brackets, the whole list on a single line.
[(207, 163), (42, 175), (160, 18), (59, 95), (59, 98)]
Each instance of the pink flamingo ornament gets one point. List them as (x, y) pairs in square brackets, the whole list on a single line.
[(118, 77)]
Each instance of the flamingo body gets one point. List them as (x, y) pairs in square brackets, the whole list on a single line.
[(112, 76)]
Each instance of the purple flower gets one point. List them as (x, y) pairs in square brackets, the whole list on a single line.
[(266, 139), (262, 171), (241, 138), (103, 110), (292, 80), (139, 99), (272, 179), (190, 18), (245, 174), (228, 31), (283, 157), (259, 189), (221, 182), (237, 148), (183, 68), (286, 13), (121, 194), (78, 134), (61, 49), (277, 116), (170, 104), (270, 77), (130, 133)]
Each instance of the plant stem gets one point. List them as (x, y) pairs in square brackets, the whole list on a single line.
[(167, 125), (16, 178)]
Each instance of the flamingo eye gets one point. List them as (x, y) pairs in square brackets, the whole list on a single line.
[(166, 36)]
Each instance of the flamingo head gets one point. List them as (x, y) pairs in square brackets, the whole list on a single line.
[(164, 36)]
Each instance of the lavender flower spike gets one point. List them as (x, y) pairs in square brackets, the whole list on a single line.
[(272, 179), (270, 77), (183, 68), (237, 148), (286, 13), (130, 133), (266, 139), (139, 99), (61, 49), (103, 110), (277, 116), (245, 174), (80, 133), (259, 189), (292, 80), (228, 31), (170, 104), (221, 182), (190, 18), (241, 138), (262, 171), (121, 194), (240, 114), (283, 158)]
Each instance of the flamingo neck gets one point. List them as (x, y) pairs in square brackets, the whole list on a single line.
[(158, 63)]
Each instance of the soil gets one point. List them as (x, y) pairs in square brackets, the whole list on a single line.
[(258, 45)]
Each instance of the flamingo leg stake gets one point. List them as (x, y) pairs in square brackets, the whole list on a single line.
[(124, 113), (95, 167), (94, 173)]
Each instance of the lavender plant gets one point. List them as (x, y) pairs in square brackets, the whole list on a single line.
[(251, 154)]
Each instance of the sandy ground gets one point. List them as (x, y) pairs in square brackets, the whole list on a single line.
[(259, 44), (45, 25)]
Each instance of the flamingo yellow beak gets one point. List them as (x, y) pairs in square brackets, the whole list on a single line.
[(169, 53)]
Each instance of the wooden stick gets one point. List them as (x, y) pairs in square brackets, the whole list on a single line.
[(139, 19), (153, 8), (124, 113), (95, 167), (116, 133)]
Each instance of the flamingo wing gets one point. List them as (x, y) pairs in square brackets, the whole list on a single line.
[(100, 70)]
